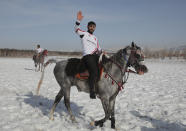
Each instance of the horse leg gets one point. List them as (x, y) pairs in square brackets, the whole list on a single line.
[(57, 100), (67, 103), (105, 104), (112, 108), (35, 66), (42, 67), (39, 67)]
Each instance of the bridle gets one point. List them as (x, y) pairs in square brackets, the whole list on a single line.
[(123, 72), (45, 53)]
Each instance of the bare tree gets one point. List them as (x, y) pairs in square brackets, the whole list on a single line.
[(184, 54)]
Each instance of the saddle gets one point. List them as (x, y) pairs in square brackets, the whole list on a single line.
[(77, 68)]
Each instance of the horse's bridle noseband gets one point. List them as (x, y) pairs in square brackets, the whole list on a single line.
[(123, 72)]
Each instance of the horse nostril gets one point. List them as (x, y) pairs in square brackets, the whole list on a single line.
[(137, 56), (142, 59)]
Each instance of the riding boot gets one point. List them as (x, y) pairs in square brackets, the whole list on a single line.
[(91, 64), (92, 94), (92, 90)]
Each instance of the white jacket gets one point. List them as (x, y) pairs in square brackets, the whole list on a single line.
[(89, 42), (39, 50)]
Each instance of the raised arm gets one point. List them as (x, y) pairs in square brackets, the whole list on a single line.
[(79, 16), (77, 25), (98, 47)]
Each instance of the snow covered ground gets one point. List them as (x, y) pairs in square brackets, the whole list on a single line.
[(155, 101)]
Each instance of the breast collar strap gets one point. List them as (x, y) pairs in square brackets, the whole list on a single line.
[(120, 84)]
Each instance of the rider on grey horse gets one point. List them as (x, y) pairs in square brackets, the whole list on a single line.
[(112, 80), (107, 88), (90, 50)]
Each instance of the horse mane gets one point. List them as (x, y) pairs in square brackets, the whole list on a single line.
[(117, 57)]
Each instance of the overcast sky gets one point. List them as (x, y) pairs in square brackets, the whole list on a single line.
[(50, 23)]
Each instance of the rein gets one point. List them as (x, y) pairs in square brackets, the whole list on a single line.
[(120, 84)]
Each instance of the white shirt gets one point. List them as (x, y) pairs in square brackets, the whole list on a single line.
[(89, 42), (39, 50)]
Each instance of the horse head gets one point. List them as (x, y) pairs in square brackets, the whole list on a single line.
[(45, 52), (135, 58)]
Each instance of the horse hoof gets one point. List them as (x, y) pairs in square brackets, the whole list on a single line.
[(98, 123), (73, 119), (52, 118), (92, 123)]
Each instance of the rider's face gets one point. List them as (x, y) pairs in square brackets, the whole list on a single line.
[(91, 28)]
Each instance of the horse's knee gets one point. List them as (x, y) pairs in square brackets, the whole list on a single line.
[(58, 98), (67, 102), (67, 98)]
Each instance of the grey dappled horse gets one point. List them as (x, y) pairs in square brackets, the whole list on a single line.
[(39, 60), (115, 66)]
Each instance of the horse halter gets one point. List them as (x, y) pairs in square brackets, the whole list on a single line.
[(45, 52), (136, 56), (123, 72)]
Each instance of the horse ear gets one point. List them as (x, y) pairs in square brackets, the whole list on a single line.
[(132, 44)]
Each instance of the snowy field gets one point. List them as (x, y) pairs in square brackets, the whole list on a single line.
[(155, 101)]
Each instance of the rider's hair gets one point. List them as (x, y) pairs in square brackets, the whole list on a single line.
[(38, 46), (91, 23)]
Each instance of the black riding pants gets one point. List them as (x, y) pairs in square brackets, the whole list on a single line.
[(92, 66)]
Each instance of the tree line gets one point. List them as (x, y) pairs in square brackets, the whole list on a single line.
[(149, 53), (29, 53), (163, 53)]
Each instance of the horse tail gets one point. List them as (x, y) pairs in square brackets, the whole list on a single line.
[(42, 73)]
